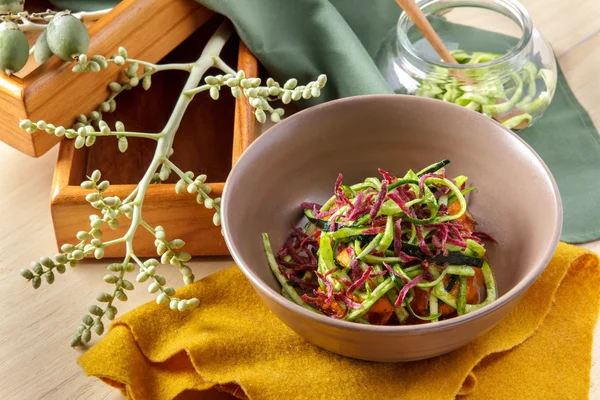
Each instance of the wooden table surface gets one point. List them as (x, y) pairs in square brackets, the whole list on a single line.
[(36, 361)]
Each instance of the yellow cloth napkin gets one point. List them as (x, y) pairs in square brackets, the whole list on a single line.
[(541, 350)]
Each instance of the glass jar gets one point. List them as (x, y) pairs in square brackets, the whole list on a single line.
[(505, 69)]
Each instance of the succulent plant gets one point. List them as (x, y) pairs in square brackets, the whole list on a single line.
[(14, 48), (41, 51), (11, 6), (67, 36), (61, 33), (111, 211)]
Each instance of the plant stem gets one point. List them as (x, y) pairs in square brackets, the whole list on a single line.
[(214, 46), (92, 15), (196, 90), (219, 63), (25, 23), (163, 67), (153, 136)]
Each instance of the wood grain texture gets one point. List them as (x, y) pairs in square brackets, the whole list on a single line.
[(51, 91), (207, 142), (35, 359), (245, 125)]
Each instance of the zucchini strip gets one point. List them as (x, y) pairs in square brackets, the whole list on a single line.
[(444, 296), (321, 223), (431, 317), (388, 235), (460, 270), (433, 306), (291, 292), (366, 305), (417, 272), (461, 300), (370, 247), (455, 191), (490, 289)]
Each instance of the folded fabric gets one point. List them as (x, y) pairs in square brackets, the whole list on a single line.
[(234, 343), (341, 38)]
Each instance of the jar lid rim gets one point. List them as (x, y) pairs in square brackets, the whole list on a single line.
[(513, 9)]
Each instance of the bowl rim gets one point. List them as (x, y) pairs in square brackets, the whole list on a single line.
[(500, 302)]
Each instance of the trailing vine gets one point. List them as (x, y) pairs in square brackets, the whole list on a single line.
[(112, 210)]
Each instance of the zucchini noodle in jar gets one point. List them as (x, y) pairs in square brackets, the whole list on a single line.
[(507, 72)]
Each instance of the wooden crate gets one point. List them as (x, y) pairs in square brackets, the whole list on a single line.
[(148, 29), (211, 137)]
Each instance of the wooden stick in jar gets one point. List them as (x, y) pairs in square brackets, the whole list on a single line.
[(414, 12)]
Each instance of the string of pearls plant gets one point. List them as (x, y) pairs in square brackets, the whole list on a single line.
[(112, 209), (62, 34)]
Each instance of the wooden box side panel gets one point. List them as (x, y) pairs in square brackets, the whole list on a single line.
[(186, 220), (245, 129)]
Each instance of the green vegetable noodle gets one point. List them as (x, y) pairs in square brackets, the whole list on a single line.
[(513, 99)]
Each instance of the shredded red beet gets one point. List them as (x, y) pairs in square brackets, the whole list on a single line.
[(355, 270), (397, 198), (339, 192), (379, 199), (392, 271), (397, 237), (332, 225), (345, 282), (457, 242), (444, 190), (328, 284), (440, 238), (304, 284), (360, 281), (321, 215), (358, 208), (405, 258), (299, 232), (427, 268), (349, 302), (406, 288), (378, 274), (484, 236), (422, 245), (297, 267), (424, 177), (309, 206), (443, 210), (373, 231), (386, 175)]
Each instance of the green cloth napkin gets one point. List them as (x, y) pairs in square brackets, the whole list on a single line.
[(341, 38), (304, 38)]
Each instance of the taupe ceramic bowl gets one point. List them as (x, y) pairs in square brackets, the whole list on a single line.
[(299, 159)]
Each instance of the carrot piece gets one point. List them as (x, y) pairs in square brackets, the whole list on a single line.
[(465, 220), (474, 285), (344, 258), (380, 312), (420, 302), (383, 305)]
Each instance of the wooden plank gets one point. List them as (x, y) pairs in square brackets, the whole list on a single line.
[(553, 18), (565, 23), (245, 125), (186, 220)]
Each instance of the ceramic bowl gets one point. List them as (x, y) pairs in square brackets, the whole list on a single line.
[(297, 160)]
